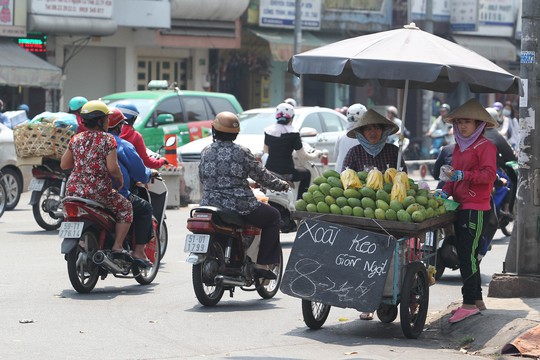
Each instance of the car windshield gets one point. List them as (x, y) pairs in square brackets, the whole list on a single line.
[(254, 123), (143, 105)]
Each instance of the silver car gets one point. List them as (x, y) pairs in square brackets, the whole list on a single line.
[(318, 126), (12, 175)]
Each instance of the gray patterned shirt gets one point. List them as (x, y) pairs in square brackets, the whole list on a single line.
[(224, 170)]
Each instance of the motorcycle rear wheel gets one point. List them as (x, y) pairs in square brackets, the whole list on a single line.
[(270, 289), (83, 276), (206, 290), (146, 276), (49, 199)]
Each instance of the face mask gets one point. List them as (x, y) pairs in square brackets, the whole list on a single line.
[(506, 112)]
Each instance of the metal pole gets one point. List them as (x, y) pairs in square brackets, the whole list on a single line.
[(427, 95), (297, 81)]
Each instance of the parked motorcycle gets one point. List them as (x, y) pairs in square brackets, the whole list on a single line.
[(48, 187), (88, 233), (223, 251)]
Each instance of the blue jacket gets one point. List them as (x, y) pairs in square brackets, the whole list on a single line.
[(131, 165)]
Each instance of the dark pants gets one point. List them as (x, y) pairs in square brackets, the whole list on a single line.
[(304, 176), (142, 220), (469, 227), (268, 219)]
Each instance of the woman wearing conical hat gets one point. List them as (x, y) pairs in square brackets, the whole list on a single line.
[(474, 164), (371, 131)]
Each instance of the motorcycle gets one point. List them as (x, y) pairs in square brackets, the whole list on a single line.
[(501, 189), (284, 201), (48, 187), (156, 193), (223, 251), (88, 233), (438, 140)]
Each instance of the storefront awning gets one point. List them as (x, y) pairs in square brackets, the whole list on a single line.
[(492, 48), (18, 67), (282, 42)]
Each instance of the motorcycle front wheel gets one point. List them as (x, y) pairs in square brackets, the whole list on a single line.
[(49, 200), (206, 290), (269, 288), (82, 271), (152, 250)]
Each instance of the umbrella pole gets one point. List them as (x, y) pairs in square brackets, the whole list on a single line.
[(403, 112)]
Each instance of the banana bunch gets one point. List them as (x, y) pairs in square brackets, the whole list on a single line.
[(389, 175), (350, 180), (375, 179), (399, 191), (404, 178)]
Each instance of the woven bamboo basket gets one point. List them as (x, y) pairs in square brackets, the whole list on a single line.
[(42, 139)]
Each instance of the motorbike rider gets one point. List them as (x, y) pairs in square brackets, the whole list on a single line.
[(343, 142), (133, 170), (392, 115), (93, 156), (224, 171), (439, 124), (280, 139), (129, 133), (74, 107)]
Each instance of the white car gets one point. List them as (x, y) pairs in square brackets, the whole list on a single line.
[(318, 126), (11, 173)]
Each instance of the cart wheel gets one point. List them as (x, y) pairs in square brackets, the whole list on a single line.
[(414, 299), (387, 313), (315, 313)]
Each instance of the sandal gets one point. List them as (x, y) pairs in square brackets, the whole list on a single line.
[(366, 316), (462, 314), (143, 263)]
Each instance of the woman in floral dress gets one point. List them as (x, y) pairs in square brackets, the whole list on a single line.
[(92, 155)]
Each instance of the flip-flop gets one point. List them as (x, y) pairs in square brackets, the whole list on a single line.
[(143, 263), (462, 314)]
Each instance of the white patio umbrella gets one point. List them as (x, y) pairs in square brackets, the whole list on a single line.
[(406, 58)]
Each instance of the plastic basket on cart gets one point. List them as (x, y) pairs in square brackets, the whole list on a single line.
[(47, 135)]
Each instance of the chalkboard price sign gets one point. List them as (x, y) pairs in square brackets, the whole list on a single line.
[(338, 265)]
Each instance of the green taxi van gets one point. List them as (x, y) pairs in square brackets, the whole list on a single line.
[(188, 114)]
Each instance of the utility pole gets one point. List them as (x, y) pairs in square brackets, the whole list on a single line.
[(297, 81), (521, 270)]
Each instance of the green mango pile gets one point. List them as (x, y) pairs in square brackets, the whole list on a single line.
[(328, 196)]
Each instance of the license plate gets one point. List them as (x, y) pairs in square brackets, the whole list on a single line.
[(197, 243), (36, 184), (71, 229)]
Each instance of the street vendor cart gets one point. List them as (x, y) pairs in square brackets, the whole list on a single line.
[(366, 264)]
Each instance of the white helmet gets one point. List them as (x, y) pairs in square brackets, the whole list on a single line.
[(290, 101), (284, 113), (355, 112), (393, 110)]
